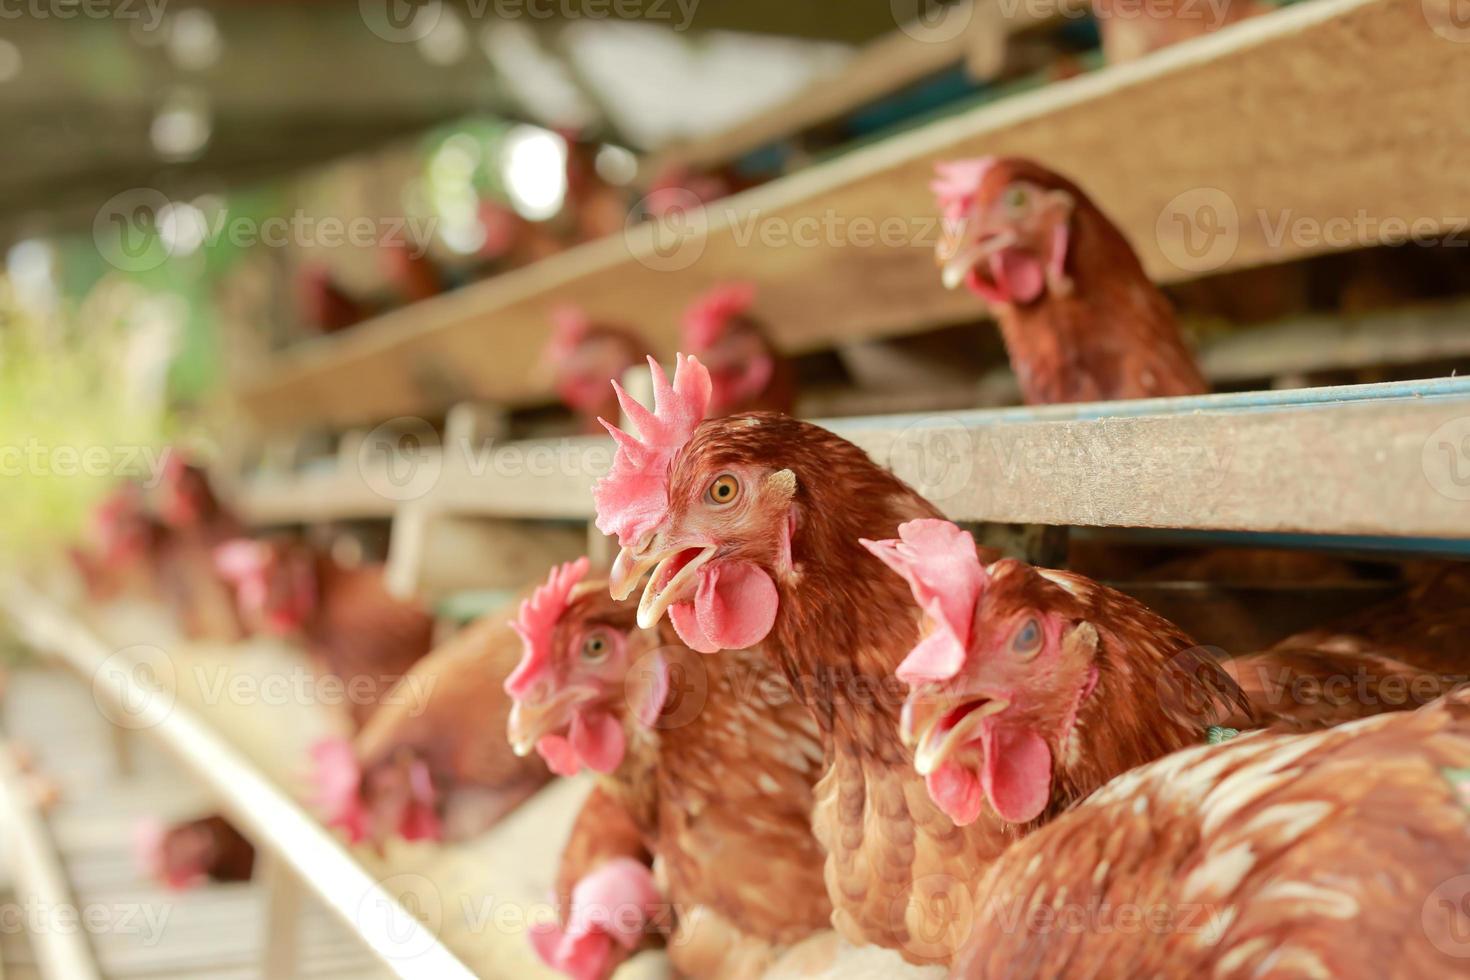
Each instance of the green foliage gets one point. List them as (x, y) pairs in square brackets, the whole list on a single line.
[(80, 409)]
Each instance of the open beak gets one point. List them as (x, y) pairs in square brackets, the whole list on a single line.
[(936, 723), (530, 722), (956, 258), (674, 571)]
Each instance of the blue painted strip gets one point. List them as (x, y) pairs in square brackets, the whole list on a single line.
[(1440, 388), (1443, 547)]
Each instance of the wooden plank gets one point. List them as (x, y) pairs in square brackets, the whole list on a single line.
[(1361, 459), (62, 953), (1150, 139), (973, 32), (271, 820), (1413, 335)]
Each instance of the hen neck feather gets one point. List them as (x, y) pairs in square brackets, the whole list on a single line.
[(845, 621), (1068, 348), (1153, 696)]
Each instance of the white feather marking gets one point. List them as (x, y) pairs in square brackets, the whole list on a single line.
[(1307, 899), (1240, 955), (1295, 961), (1236, 791), (1220, 922), (1221, 873), (1068, 582), (1289, 820), (1100, 873)]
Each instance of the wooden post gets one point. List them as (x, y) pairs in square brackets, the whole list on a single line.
[(280, 945), (122, 750)]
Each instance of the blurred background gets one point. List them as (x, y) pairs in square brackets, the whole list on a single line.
[(338, 285)]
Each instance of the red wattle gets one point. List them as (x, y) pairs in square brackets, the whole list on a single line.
[(1017, 772), (736, 604)]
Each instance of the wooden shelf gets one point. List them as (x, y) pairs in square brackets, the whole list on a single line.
[(1272, 114), (974, 33), (280, 829), (1351, 460)]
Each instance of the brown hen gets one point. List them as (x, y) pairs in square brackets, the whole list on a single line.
[(1330, 854), (713, 760), (345, 615), (430, 761), (1080, 318)]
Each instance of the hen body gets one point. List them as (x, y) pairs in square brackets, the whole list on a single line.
[(1323, 854), (448, 711), (364, 635), (721, 790), (719, 793)]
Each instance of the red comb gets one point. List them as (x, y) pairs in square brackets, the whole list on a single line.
[(337, 776), (538, 617), (939, 562), (957, 182), (633, 497), (569, 327), (711, 313)]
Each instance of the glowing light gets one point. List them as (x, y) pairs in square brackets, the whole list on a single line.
[(534, 167), (194, 41), (31, 265), (10, 61), (617, 165), (181, 127), (447, 41), (181, 228)]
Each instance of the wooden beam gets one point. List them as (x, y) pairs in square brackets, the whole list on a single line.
[(39, 877), (972, 32), (271, 820), (1362, 459), (842, 251)]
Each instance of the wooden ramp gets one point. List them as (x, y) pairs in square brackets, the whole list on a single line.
[(143, 930)]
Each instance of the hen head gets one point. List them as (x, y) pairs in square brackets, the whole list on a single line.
[(185, 496), (718, 327), (583, 356), (1006, 228), (121, 525), (995, 684), (274, 583), (395, 798), (712, 508), (176, 857), (585, 669), (1015, 662)]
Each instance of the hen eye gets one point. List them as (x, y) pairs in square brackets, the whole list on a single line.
[(724, 490), (1015, 198), (595, 648), (1027, 642)]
